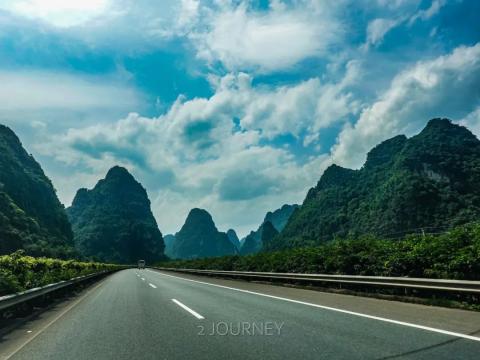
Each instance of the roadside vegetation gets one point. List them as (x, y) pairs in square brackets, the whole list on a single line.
[(451, 255), (19, 272)]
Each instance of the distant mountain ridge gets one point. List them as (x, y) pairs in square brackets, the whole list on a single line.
[(31, 216), (113, 222), (232, 236), (252, 243), (430, 180), (199, 238)]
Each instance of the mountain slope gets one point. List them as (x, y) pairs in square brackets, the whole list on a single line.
[(169, 241), (269, 232), (113, 221), (232, 236), (31, 216), (278, 218), (199, 238), (429, 181)]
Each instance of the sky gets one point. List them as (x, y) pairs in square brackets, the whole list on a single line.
[(234, 106)]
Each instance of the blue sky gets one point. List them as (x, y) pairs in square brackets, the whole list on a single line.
[(233, 106)]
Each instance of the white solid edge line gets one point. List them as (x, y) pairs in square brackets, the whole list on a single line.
[(403, 323), (56, 318), (151, 285), (185, 307)]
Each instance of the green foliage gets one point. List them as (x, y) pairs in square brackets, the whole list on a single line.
[(278, 218), (454, 255), (31, 217), (19, 272), (268, 233), (200, 238), (232, 236), (113, 222), (428, 181), (252, 243)]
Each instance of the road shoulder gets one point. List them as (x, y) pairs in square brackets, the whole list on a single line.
[(21, 331)]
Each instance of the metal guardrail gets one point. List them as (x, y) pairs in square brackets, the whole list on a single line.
[(30, 294), (458, 286)]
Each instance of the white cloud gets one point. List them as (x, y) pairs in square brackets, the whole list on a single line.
[(472, 121), (226, 31), (242, 39), (127, 26), (426, 14), (202, 128), (302, 109), (378, 28), (62, 13), (448, 86), (189, 10), (41, 90), (198, 154), (179, 176), (395, 4)]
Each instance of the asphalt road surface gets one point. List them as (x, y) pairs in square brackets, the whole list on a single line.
[(147, 314)]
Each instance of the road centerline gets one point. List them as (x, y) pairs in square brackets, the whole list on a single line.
[(372, 317), (151, 285), (185, 307)]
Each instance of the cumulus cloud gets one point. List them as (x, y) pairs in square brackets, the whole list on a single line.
[(231, 32), (236, 117), (302, 109), (228, 152), (216, 152), (244, 39), (224, 178), (448, 86)]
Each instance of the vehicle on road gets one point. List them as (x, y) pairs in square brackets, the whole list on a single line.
[(141, 264)]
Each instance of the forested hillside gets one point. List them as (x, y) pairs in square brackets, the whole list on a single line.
[(113, 222), (199, 237), (452, 255), (31, 216), (233, 237), (430, 182), (278, 219)]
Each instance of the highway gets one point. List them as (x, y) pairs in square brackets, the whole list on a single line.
[(148, 314)]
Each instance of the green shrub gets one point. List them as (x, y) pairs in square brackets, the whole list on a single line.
[(454, 255), (19, 272)]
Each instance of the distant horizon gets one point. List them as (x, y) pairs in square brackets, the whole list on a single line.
[(240, 124)]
